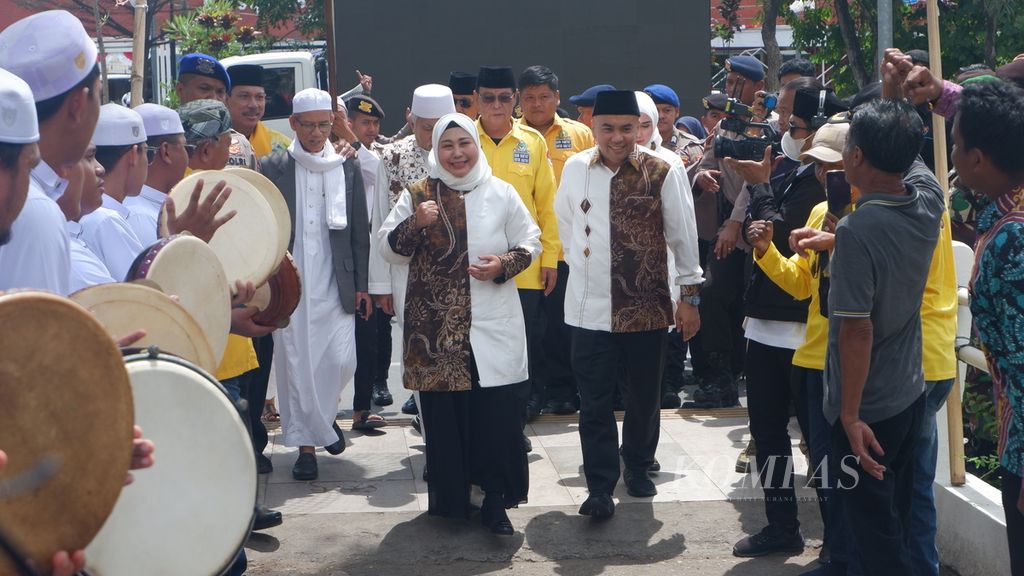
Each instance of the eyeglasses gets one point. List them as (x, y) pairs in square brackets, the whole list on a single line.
[(505, 98), (311, 126), (464, 102)]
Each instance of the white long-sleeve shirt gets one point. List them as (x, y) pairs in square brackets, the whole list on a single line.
[(86, 268), (618, 280), (110, 236), (38, 256), (145, 212)]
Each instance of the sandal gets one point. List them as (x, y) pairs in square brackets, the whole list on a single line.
[(270, 413), (368, 421)]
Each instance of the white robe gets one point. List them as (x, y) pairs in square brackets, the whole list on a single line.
[(38, 255), (145, 212), (315, 355), (86, 268), (110, 236)]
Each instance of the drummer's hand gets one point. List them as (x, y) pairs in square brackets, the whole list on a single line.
[(65, 564), (242, 324), (200, 218), (488, 269), (364, 305), (386, 303), (343, 148), (132, 338), (426, 214), (142, 453), (244, 292)]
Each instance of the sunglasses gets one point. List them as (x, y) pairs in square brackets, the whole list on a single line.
[(463, 102), (505, 98)]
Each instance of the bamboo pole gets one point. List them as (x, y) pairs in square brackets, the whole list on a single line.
[(138, 52), (954, 408), (332, 69)]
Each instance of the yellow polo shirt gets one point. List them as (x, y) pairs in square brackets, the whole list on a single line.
[(521, 159), (564, 138), (265, 140), (938, 305)]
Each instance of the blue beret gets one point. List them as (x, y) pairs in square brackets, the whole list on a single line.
[(662, 94), (204, 65), (589, 96), (746, 66)]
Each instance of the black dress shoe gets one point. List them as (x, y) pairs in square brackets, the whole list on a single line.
[(533, 409), (338, 447), (772, 539), (598, 506), (410, 407), (266, 518), (527, 444), (638, 484), (566, 408), (655, 467), (670, 401), (263, 464), (381, 395), (494, 517), (305, 467)]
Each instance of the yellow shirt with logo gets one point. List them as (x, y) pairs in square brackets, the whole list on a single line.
[(938, 305), (239, 355), (521, 159), (265, 140), (564, 138)]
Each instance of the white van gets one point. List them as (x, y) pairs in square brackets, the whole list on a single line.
[(284, 74)]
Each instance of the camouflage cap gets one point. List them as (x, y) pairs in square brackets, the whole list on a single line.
[(204, 120)]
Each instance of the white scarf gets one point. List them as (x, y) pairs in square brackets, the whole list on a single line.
[(477, 175), (650, 109), (326, 162)]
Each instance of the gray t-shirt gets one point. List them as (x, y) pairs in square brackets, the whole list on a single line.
[(879, 267)]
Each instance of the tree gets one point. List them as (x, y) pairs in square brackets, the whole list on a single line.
[(729, 11), (307, 16), (773, 57), (854, 49)]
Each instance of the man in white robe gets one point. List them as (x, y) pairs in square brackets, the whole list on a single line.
[(315, 355)]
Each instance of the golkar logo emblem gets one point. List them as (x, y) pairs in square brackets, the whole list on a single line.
[(521, 154), (563, 142)]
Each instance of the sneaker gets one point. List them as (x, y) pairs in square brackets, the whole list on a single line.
[(771, 540), (410, 407), (598, 506), (639, 484)]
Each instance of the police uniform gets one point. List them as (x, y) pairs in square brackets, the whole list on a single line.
[(247, 150)]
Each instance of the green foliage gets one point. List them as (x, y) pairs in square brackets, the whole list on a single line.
[(963, 25), (981, 427), (729, 24), (213, 29), (307, 16)]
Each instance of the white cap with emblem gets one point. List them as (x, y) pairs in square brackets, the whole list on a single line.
[(118, 126), (311, 100), (51, 51), (159, 120), (432, 101), (18, 123)]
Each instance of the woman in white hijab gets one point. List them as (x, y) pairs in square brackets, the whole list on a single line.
[(464, 234), (647, 135)]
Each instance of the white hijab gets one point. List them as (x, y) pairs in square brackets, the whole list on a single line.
[(650, 109), (478, 174)]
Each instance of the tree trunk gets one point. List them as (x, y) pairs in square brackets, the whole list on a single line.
[(773, 57), (854, 52)]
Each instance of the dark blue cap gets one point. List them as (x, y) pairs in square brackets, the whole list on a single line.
[(204, 65), (589, 95), (746, 66), (662, 94)]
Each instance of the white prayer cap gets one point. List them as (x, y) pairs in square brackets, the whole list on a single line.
[(311, 100), (118, 126), (432, 101), (51, 51), (18, 123), (159, 120)]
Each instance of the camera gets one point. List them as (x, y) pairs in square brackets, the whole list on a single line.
[(749, 139)]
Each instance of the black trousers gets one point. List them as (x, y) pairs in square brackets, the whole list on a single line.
[(255, 390), (532, 302), (721, 305), (383, 362), (878, 511), (1014, 521), (769, 395), (596, 359), (366, 361), (560, 385)]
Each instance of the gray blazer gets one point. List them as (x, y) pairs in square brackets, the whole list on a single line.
[(350, 248)]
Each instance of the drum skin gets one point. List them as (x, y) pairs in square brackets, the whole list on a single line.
[(65, 393), (190, 513), (278, 298), (248, 244), (274, 198), (186, 267)]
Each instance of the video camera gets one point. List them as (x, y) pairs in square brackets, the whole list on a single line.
[(739, 121)]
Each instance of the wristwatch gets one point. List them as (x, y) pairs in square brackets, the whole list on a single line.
[(691, 300)]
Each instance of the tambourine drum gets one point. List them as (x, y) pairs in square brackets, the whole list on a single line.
[(278, 298), (190, 513), (124, 308), (247, 245), (185, 267), (272, 194), (66, 401)]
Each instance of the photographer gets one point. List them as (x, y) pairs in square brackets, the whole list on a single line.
[(775, 324), (720, 310)]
